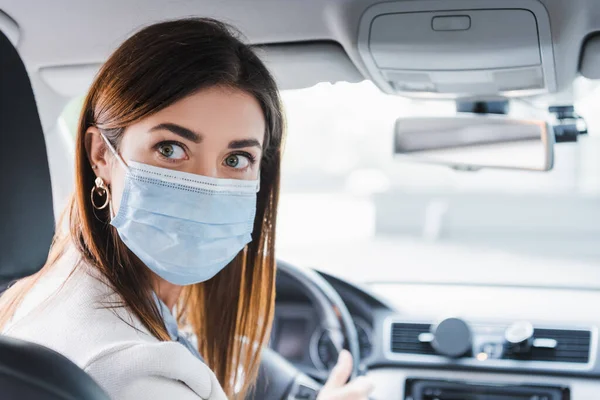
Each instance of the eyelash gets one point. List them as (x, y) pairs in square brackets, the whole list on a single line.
[(169, 142), (251, 158)]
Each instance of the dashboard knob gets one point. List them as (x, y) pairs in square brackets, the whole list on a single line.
[(451, 337), (518, 337)]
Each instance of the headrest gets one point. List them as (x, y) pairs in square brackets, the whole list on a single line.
[(27, 220)]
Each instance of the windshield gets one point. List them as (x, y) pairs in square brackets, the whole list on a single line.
[(347, 207)]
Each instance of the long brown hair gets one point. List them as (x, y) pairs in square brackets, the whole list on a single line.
[(232, 313)]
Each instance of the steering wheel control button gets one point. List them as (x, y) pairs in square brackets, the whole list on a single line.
[(519, 337), (305, 393), (452, 338)]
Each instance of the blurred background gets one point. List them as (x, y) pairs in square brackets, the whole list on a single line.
[(349, 208)]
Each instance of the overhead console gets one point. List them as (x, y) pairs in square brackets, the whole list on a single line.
[(454, 48)]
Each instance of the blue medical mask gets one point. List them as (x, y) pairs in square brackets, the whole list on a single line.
[(184, 227)]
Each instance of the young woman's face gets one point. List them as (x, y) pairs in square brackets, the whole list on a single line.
[(216, 132)]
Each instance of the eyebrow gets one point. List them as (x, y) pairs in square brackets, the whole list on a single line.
[(240, 144), (178, 130)]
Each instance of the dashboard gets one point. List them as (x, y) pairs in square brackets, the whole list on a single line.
[(298, 337), (508, 344)]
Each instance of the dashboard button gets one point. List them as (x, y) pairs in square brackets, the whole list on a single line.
[(491, 349), (519, 337)]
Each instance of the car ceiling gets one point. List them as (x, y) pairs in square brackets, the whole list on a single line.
[(78, 33), (67, 32)]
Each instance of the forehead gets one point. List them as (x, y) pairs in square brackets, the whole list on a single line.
[(217, 113)]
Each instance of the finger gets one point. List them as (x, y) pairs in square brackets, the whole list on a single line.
[(358, 389), (341, 372)]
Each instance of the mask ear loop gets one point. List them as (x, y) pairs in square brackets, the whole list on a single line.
[(114, 152), (120, 161)]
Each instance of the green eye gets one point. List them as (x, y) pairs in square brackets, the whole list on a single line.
[(166, 150), (232, 161), (171, 151), (237, 161)]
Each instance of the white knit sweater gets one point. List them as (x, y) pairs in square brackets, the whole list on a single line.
[(71, 317)]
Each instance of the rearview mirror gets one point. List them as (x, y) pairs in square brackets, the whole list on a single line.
[(471, 142)]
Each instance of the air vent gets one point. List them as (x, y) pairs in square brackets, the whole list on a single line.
[(405, 339), (572, 346)]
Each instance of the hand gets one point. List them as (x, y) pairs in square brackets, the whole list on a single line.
[(336, 388)]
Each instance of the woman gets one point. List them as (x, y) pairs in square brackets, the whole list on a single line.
[(177, 182)]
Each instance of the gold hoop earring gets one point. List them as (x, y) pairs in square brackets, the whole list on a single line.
[(100, 190)]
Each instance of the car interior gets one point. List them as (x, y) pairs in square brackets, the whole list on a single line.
[(440, 207)]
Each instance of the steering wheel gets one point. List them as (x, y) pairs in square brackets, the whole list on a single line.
[(278, 379)]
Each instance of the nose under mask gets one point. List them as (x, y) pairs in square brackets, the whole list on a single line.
[(185, 227)]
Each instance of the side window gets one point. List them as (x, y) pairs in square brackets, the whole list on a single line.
[(61, 152), (70, 115)]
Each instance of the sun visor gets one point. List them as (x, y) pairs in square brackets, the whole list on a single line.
[(294, 65), (302, 65), (70, 80), (450, 48), (590, 58)]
